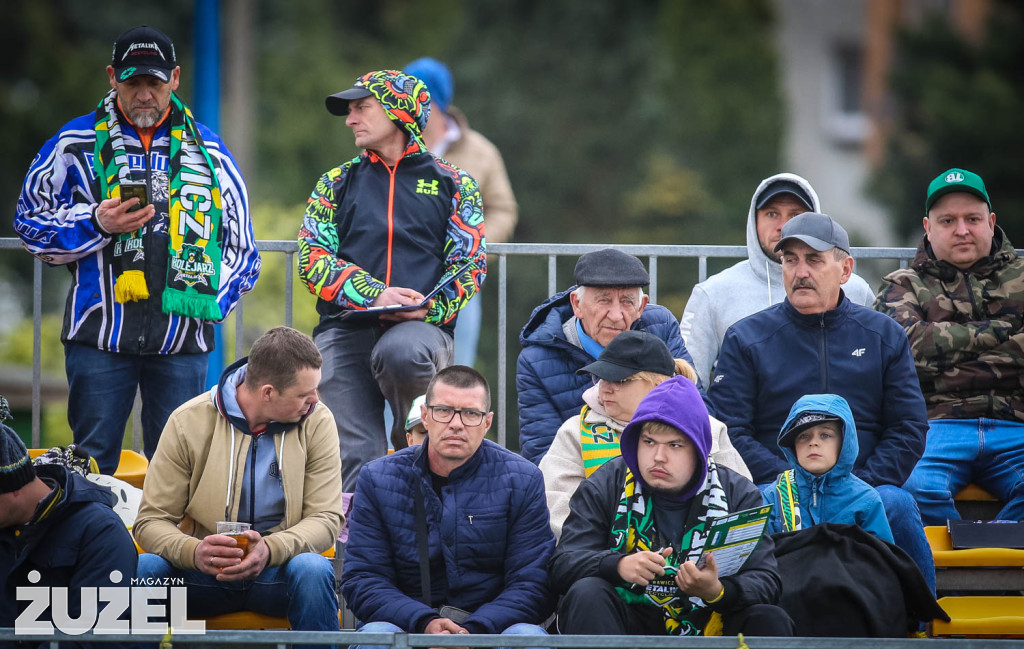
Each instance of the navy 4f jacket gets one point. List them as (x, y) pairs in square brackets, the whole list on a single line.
[(489, 542), (550, 391), (774, 357)]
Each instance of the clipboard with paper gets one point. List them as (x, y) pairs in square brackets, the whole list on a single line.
[(374, 312), (733, 538)]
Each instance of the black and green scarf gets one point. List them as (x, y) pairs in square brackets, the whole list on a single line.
[(633, 531), (194, 213)]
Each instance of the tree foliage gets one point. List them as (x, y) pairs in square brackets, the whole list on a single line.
[(959, 105)]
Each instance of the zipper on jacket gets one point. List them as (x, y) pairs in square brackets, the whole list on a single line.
[(823, 355), (149, 232), (970, 294), (252, 478), (391, 216)]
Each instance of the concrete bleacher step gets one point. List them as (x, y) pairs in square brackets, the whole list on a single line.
[(986, 617)]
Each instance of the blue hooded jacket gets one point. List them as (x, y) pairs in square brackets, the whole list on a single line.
[(550, 391), (837, 496)]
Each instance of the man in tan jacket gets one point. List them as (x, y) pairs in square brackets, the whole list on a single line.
[(259, 448)]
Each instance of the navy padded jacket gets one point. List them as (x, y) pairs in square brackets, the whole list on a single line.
[(550, 391), (489, 542)]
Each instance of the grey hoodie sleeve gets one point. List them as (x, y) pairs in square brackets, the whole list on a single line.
[(697, 328)]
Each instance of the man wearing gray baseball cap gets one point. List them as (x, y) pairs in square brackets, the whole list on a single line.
[(818, 341)]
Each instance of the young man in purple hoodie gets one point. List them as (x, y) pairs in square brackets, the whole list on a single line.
[(627, 559)]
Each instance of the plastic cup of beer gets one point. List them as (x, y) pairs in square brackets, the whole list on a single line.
[(236, 530)]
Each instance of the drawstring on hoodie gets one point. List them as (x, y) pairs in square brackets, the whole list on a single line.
[(231, 473), (768, 280)]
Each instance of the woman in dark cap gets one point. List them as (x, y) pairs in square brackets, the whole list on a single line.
[(630, 366)]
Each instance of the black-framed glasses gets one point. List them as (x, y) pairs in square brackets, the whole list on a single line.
[(619, 384), (444, 414)]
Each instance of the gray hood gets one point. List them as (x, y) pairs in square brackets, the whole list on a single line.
[(761, 265)]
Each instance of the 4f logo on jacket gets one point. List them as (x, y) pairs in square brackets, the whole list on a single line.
[(425, 187), (858, 352)]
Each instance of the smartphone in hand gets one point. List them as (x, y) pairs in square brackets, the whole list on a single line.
[(136, 190)]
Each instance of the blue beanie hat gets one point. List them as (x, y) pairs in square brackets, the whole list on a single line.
[(675, 402), (438, 78), (16, 469)]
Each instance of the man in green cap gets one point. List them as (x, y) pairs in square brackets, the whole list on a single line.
[(962, 304)]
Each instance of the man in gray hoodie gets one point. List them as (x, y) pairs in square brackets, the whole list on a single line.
[(756, 282)]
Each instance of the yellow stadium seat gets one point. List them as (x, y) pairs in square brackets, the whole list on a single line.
[(946, 557), (974, 492), (981, 617)]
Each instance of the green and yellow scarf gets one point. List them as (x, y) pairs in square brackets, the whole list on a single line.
[(598, 441), (789, 501), (633, 531), (194, 213)]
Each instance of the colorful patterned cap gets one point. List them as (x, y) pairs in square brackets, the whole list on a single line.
[(404, 97)]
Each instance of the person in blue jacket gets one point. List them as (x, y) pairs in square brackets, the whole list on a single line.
[(819, 439), (57, 530), (818, 341), (486, 537), (570, 330)]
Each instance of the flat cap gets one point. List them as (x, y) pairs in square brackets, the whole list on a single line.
[(610, 267)]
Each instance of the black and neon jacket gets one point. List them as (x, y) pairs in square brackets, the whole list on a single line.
[(369, 226)]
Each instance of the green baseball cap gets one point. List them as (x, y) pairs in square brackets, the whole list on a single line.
[(956, 180)]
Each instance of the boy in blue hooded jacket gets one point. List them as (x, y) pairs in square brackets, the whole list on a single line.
[(819, 439)]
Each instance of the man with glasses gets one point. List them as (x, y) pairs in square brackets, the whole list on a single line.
[(451, 536)]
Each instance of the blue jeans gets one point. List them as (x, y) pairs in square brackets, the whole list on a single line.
[(386, 627), (102, 388), (302, 589), (907, 530), (467, 331), (987, 452)]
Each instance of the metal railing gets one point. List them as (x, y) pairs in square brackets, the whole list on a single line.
[(497, 277), (406, 640)]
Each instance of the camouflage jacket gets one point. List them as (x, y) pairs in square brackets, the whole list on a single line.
[(965, 330)]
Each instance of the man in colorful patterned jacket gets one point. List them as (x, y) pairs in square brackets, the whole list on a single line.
[(151, 270), (386, 229), (962, 304)]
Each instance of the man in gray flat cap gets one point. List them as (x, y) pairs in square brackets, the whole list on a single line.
[(818, 341), (570, 329)]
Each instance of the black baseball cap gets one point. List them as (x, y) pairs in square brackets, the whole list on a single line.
[(805, 421), (783, 187), (818, 231), (143, 50), (337, 103), (631, 352)]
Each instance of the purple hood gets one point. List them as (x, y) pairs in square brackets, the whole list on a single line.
[(677, 403)]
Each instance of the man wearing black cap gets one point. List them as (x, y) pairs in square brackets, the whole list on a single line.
[(817, 340), (756, 282), (962, 303), (57, 529), (570, 330), (146, 209), (395, 227)]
